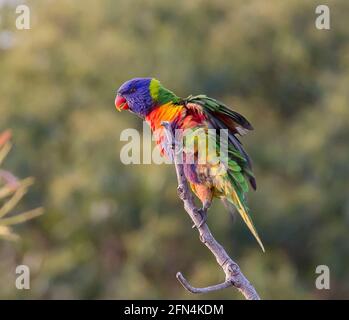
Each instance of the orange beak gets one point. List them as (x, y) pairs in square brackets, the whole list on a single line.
[(121, 103)]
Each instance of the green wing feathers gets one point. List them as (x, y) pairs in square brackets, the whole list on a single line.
[(221, 117), (215, 108), (234, 183)]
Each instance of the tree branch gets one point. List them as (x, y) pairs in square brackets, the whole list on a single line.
[(233, 275)]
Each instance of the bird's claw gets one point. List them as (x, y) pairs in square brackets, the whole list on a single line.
[(203, 214), (180, 192)]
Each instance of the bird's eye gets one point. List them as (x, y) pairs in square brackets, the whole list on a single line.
[(132, 90)]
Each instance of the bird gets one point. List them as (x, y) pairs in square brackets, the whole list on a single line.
[(151, 101)]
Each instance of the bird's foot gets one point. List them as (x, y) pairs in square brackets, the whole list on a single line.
[(203, 214), (180, 192)]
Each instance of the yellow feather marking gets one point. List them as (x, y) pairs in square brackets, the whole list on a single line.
[(154, 88)]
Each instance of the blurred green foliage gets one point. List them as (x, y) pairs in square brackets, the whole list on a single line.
[(116, 231)]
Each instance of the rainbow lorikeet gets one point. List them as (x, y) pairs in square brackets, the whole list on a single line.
[(147, 98)]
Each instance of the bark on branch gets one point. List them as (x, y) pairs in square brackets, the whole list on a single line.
[(233, 275)]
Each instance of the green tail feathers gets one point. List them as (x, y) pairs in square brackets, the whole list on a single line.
[(240, 206)]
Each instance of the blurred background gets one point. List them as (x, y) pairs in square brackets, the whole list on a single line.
[(118, 232)]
